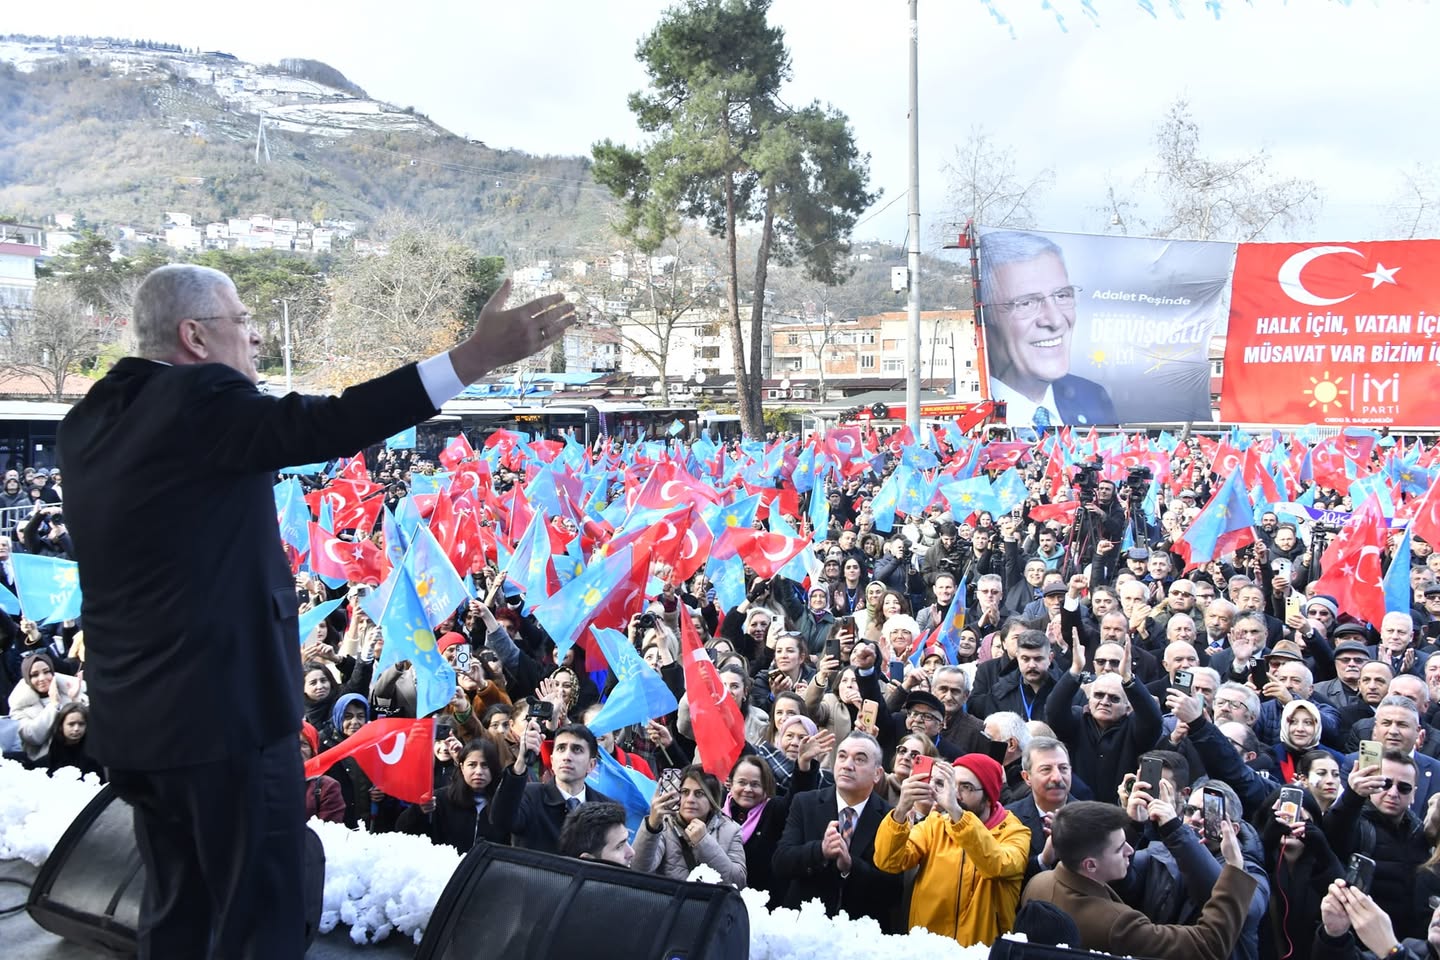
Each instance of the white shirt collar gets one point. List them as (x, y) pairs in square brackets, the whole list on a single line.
[(577, 796), (1020, 409), (840, 804)]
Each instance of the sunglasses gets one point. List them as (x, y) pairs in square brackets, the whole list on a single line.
[(1106, 697), (1106, 663), (1405, 789)]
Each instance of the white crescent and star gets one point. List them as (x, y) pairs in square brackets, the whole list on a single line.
[(1294, 287)]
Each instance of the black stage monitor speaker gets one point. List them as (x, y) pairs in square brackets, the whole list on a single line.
[(1004, 949), (524, 905), (89, 890)]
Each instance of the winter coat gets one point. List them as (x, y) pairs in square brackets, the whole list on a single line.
[(36, 716), (1103, 755), (669, 854), (458, 824), (1355, 825), (969, 882)]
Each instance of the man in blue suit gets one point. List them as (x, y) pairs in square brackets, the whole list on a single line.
[(1397, 727), (189, 603), (1029, 318)]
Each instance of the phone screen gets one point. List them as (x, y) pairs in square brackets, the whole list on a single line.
[(1214, 813), (1360, 873)]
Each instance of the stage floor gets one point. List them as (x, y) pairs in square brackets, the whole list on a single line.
[(25, 941)]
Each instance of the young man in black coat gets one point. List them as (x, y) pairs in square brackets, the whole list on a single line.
[(169, 465), (536, 812)]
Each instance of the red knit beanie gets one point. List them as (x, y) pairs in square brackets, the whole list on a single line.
[(990, 774), (448, 640)]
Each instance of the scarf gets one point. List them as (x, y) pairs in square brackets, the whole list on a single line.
[(751, 821), (997, 813)]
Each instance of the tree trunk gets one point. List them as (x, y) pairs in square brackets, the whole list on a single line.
[(663, 365), (757, 304), (749, 422)]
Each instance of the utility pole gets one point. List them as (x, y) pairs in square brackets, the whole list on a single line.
[(912, 380), (285, 349)]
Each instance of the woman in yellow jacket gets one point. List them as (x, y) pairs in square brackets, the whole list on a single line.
[(971, 851)]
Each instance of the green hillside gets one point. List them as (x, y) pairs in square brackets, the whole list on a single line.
[(76, 138)]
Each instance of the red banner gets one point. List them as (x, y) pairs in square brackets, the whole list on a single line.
[(1334, 333)]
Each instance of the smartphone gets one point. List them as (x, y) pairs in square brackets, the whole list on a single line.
[(1281, 566), (832, 643), (922, 766), (997, 750), (1370, 753), (462, 658), (897, 670), (1214, 813), (869, 710), (1291, 800), (669, 780), (1360, 873), (845, 623), (1292, 605), (1152, 771), (443, 729), (1185, 680), (542, 710)]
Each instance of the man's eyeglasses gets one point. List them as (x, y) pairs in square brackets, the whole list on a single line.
[(1106, 697), (1028, 307), (924, 715), (1107, 663), (1401, 786), (1181, 593), (243, 319)]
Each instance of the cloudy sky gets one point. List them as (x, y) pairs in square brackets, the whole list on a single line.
[(1337, 92)]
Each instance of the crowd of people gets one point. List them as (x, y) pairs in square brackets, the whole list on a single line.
[(1220, 760)]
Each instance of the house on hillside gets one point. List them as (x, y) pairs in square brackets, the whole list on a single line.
[(21, 245)]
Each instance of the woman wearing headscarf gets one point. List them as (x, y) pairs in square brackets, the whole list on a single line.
[(36, 701), (1299, 734)]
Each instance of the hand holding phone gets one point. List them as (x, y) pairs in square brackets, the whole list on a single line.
[(869, 710), (1360, 873), (1370, 753), (1291, 801), (1214, 810)]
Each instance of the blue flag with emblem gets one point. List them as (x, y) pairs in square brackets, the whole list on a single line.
[(48, 588), (404, 440), (803, 562), (9, 602), (640, 694), (408, 636), (740, 514), (949, 635), (631, 789), (728, 578), (568, 612), (435, 580), (423, 484), (528, 570), (885, 502), (819, 513), (395, 542), (310, 619), (1399, 595), (971, 496), (293, 514), (307, 469), (1010, 490), (407, 515)]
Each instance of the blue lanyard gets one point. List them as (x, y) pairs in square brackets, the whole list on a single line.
[(1029, 704)]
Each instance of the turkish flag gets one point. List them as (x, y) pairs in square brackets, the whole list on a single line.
[(1351, 564), (1044, 512), (714, 718), (765, 553), (457, 451), (355, 469), (1333, 333), (396, 753), (359, 561), (1426, 519)]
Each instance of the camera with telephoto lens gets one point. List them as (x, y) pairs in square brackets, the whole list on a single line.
[(1138, 480), (1087, 480)]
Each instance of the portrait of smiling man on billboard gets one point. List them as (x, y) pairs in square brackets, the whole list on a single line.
[(1029, 323)]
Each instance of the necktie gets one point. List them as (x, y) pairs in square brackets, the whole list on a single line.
[(847, 823), (1042, 418), (571, 803)]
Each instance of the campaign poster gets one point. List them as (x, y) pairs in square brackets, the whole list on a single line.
[(1335, 333), (1100, 330)]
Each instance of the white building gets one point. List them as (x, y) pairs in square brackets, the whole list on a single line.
[(176, 219), (699, 342), (183, 237)]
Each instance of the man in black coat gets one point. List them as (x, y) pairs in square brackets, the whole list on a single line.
[(535, 812), (169, 464), (827, 849)]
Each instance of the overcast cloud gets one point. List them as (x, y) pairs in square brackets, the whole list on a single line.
[(1342, 94)]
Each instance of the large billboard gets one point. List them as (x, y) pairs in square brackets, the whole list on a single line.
[(1100, 330), (1335, 333)]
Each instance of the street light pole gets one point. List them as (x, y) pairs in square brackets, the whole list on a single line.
[(912, 380), (285, 348)]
